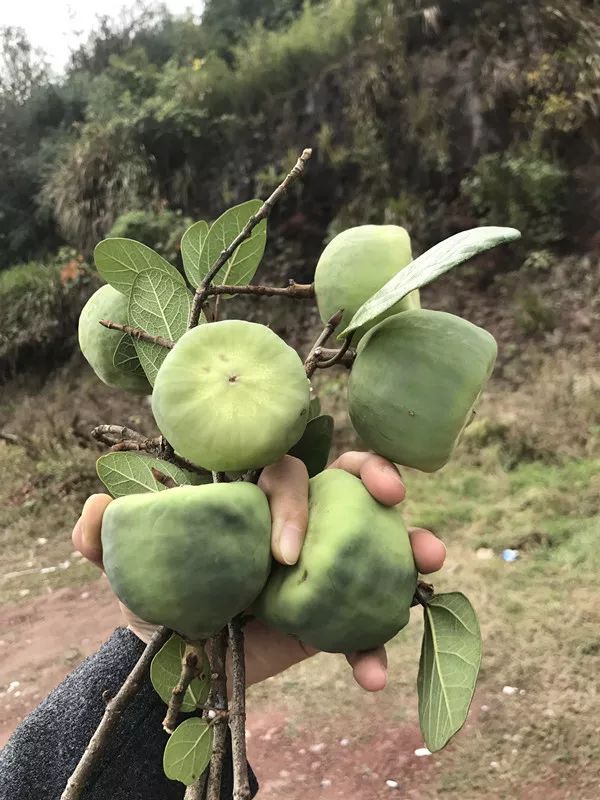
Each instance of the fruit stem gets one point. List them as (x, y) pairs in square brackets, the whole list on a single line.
[(112, 715), (262, 213), (423, 594), (337, 356), (312, 358)]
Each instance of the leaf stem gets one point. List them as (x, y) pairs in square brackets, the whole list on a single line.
[(262, 213)]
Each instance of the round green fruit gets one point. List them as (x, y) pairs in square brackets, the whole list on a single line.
[(190, 558), (231, 396), (354, 582), (355, 265), (414, 384), (98, 344)]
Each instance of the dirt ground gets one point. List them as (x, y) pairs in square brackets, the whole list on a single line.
[(294, 757)]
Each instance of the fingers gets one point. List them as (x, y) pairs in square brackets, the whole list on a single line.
[(380, 476), (86, 533), (429, 552), (370, 669), (286, 486)]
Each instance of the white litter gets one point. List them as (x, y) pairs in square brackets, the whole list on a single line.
[(422, 751), (42, 540), (392, 784), (509, 690)]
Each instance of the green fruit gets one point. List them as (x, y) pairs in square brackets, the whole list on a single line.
[(98, 344), (355, 265), (414, 383), (231, 396), (190, 558), (354, 582)]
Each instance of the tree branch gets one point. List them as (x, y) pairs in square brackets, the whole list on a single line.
[(120, 439), (138, 333), (313, 357), (112, 714), (338, 356), (218, 698), (262, 213), (237, 717), (190, 664), (297, 291)]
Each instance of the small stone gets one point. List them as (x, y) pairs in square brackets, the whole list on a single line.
[(392, 784), (76, 554), (485, 708), (47, 570), (494, 765), (84, 595), (283, 773), (509, 690), (302, 751), (422, 751), (65, 564), (484, 553), (17, 694), (41, 540), (24, 592), (344, 742), (325, 783), (212, 714), (317, 748), (315, 765), (12, 686)]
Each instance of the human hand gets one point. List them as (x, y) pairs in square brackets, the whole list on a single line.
[(269, 652)]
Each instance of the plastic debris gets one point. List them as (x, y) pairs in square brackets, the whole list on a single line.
[(509, 555)]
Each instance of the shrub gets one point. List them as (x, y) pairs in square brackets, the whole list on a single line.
[(162, 231)]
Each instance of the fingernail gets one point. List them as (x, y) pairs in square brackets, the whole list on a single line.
[(290, 542)]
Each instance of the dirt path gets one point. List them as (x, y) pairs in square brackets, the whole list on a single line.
[(41, 641)]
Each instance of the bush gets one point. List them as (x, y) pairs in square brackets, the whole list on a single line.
[(39, 308), (525, 190), (162, 231)]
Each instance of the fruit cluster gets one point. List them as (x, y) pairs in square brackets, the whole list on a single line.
[(232, 396)]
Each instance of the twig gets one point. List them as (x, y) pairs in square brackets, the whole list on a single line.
[(312, 358), (196, 790), (166, 480), (297, 291), (218, 698), (192, 658), (120, 439), (237, 718), (337, 357), (138, 333), (112, 714), (262, 213)]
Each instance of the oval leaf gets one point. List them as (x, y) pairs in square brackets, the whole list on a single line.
[(315, 444), (188, 751), (131, 473), (429, 266), (125, 356), (160, 306), (120, 261), (243, 264), (450, 659), (192, 242), (166, 669)]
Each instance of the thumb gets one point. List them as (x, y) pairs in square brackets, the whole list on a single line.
[(286, 486)]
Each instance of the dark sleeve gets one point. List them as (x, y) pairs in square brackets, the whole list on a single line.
[(44, 750)]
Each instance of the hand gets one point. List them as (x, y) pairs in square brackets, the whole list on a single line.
[(285, 483)]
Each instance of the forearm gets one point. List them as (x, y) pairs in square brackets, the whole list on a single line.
[(46, 747)]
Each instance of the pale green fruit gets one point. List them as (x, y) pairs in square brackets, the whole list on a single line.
[(190, 558), (355, 579), (231, 395), (355, 265), (414, 384), (98, 344)]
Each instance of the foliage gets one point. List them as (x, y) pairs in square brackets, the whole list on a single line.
[(526, 189), (161, 230)]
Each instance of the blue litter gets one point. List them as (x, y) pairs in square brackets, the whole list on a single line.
[(510, 555)]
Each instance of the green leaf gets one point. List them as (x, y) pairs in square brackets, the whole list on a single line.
[(120, 261), (131, 473), (188, 751), (160, 306), (314, 409), (243, 264), (192, 242), (450, 659), (125, 356), (315, 444), (429, 266), (166, 669)]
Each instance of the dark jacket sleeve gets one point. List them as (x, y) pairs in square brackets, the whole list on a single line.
[(44, 750)]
